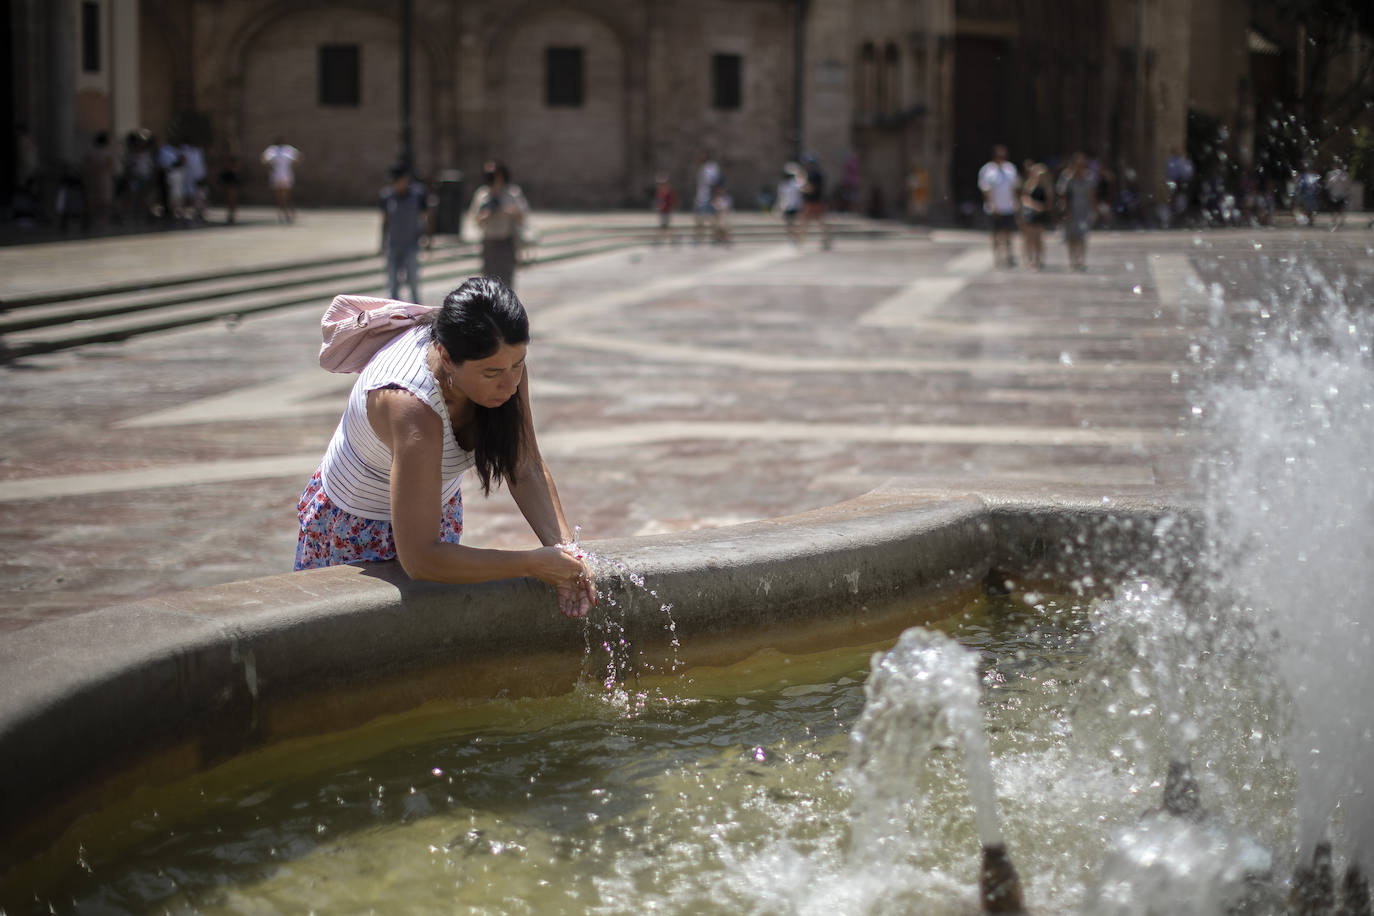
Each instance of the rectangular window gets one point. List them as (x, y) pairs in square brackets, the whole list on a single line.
[(340, 82), (90, 37), (726, 82), (563, 77)]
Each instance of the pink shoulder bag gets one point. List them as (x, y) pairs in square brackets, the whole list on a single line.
[(356, 327)]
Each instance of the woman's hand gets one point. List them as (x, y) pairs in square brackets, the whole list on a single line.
[(570, 577)]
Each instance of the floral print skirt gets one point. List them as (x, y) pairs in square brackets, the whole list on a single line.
[(329, 536)]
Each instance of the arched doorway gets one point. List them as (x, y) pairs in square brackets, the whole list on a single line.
[(564, 139), (329, 85)]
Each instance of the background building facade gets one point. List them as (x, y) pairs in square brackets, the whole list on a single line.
[(587, 100)]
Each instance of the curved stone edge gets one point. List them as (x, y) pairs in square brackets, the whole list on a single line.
[(202, 675)]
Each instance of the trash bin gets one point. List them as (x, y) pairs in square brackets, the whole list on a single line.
[(448, 216)]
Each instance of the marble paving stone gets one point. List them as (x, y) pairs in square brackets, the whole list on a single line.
[(674, 388)]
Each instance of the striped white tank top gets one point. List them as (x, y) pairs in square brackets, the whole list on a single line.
[(356, 470)]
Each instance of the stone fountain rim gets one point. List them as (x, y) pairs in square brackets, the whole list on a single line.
[(193, 671)]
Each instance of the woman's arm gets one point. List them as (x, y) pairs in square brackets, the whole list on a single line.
[(536, 495), (532, 485), (414, 433)]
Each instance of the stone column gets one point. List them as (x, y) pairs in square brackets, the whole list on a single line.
[(1169, 34), (939, 124), (61, 39), (829, 98), (124, 67)]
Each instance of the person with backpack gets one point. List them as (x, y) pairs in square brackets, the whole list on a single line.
[(440, 395)]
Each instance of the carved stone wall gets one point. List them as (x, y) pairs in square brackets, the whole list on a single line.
[(891, 83)]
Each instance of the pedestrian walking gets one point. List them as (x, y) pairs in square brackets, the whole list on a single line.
[(708, 176), (166, 156), (499, 209), (1037, 214), (1338, 192), (447, 394), (851, 184), (195, 176), (140, 174), (721, 206), (405, 228), (918, 193), (174, 178), (1079, 194), (1178, 172), (813, 200), (790, 199), (665, 202), (281, 158), (98, 172), (229, 185), (998, 181), (1308, 190)]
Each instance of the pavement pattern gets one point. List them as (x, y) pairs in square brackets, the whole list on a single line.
[(674, 387)]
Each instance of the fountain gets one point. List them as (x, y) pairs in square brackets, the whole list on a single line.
[(924, 688), (1149, 704)]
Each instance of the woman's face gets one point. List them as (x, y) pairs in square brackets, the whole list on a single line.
[(492, 381)]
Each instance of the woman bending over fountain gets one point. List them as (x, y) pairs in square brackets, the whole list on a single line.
[(443, 396)]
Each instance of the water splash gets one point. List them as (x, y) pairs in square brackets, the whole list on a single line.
[(924, 690), (1173, 865), (608, 629), (1290, 504)]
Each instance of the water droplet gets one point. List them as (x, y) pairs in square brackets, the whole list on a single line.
[(1065, 359), (1137, 289)]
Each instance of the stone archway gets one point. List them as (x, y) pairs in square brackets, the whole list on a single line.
[(562, 155), (346, 149)]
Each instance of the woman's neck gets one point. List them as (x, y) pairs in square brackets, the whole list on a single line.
[(460, 409)]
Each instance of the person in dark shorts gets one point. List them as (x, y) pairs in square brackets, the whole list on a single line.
[(1037, 214), (229, 184), (998, 181)]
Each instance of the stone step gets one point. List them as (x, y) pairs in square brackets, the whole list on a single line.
[(64, 318), (99, 327)]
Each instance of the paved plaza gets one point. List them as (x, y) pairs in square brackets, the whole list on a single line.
[(675, 387)]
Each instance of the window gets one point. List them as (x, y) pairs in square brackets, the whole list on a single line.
[(866, 86), (889, 93), (339, 75), (726, 92), (563, 77), (90, 36)]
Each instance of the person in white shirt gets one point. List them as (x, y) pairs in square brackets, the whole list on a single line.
[(281, 158), (708, 176), (194, 179), (790, 198), (1338, 190), (998, 181)]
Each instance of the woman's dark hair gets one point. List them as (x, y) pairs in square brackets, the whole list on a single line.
[(476, 319)]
